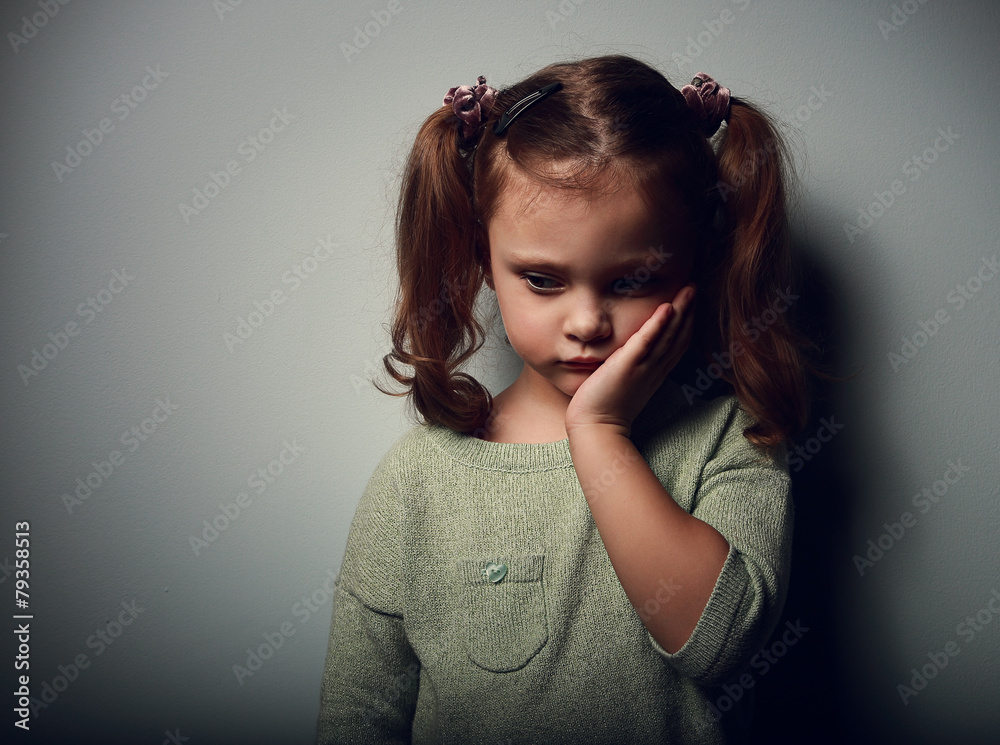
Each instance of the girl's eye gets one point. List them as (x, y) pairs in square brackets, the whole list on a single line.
[(538, 282), (632, 287)]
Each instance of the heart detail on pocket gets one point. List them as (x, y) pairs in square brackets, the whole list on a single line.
[(495, 572)]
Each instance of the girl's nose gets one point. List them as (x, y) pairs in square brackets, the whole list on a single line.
[(588, 320)]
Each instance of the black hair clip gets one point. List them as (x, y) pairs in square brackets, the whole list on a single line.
[(523, 105)]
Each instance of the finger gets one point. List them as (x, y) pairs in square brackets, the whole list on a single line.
[(686, 332), (651, 332), (680, 310), (684, 306), (676, 335), (684, 299)]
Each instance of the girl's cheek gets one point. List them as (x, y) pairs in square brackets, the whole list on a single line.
[(526, 330), (637, 320)]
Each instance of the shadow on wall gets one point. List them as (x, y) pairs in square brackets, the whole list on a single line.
[(805, 696), (798, 690)]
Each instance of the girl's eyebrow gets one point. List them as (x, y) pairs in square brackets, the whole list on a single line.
[(648, 257)]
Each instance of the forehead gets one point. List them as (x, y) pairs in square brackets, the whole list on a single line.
[(556, 185), (562, 224)]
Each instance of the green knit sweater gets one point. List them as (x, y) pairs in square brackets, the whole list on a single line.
[(428, 647)]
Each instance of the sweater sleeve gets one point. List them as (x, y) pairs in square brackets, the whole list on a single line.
[(746, 496), (371, 676)]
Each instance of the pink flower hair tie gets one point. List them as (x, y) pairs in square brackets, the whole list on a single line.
[(708, 100), (472, 105)]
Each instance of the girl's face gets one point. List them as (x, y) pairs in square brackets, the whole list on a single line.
[(576, 275)]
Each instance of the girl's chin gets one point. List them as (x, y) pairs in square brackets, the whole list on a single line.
[(571, 383)]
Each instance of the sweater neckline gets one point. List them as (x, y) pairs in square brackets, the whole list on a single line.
[(518, 457), (522, 457)]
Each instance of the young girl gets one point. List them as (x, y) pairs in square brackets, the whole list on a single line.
[(587, 556)]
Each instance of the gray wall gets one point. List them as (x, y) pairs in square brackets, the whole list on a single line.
[(130, 289)]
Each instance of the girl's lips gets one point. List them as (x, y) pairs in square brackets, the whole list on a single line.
[(582, 364)]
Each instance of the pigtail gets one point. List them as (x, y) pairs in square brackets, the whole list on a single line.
[(434, 330), (755, 286)]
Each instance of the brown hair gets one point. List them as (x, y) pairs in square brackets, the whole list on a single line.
[(616, 120)]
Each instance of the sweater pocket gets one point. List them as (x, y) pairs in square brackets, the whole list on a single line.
[(506, 624)]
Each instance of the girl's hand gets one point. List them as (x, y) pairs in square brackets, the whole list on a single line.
[(617, 391)]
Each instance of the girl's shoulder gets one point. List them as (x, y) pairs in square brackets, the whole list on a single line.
[(426, 444), (670, 408), (413, 445), (710, 429)]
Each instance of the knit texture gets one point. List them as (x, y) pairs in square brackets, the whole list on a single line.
[(425, 648)]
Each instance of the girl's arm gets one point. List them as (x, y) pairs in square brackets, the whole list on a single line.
[(370, 680), (656, 547), (659, 551), (372, 676)]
